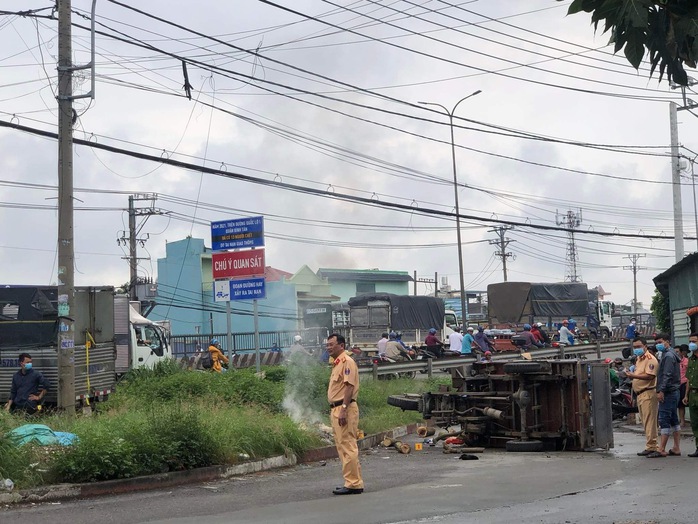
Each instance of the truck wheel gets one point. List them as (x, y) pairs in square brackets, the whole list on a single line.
[(404, 402), (605, 335), (524, 445), (523, 367)]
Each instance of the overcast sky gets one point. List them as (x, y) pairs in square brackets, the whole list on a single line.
[(327, 98)]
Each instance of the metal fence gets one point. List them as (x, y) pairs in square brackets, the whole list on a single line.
[(187, 345)]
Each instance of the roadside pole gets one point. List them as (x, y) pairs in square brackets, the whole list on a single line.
[(256, 336), (66, 251), (229, 333)]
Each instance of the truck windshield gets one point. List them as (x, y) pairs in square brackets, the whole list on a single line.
[(149, 336)]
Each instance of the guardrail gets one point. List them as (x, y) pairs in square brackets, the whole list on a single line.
[(582, 351)]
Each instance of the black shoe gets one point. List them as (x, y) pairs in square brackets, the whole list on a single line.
[(694, 454), (347, 491), (645, 453)]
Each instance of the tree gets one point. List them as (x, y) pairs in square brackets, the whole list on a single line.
[(660, 310), (666, 29)]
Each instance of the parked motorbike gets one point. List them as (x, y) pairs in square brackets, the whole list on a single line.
[(622, 401), (383, 359)]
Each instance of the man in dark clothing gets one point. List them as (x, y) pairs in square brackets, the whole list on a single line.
[(529, 338), (434, 345), (28, 387), (668, 385)]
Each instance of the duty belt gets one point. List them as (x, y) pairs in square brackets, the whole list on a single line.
[(339, 403)]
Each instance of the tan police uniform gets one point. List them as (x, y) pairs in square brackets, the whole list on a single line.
[(344, 371), (646, 392)]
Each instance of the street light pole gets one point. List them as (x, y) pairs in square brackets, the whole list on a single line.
[(463, 297), (695, 209)]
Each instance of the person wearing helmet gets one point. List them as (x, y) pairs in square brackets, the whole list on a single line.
[(393, 349), (486, 357), (434, 345), (468, 341), (482, 340), (297, 347), (217, 356), (529, 340), (566, 336), (540, 333)]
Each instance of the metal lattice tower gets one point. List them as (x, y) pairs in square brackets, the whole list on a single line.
[(571, 221)]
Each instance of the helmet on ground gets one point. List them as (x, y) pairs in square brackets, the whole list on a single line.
[(214, 341), (297, 338), (527, 327), (393, 334), (432, 331)]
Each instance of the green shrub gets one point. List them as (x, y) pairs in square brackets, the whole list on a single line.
[(17, 464), (122, 445)]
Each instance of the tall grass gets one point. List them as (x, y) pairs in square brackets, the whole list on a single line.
[(168, 419)]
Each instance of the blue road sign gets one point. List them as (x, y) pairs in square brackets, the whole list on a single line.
[(239, 289), (237, 234)]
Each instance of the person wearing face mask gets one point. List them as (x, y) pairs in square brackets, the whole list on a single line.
[(691, 398), (668, 385), (644, 384), (28, 388)]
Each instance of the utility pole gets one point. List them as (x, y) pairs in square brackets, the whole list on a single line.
[(66, 249), (676, 182), (502, 244), (634, 257), (133, 240), (571, 221)]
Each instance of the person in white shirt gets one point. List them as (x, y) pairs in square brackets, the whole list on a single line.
[(455, 340), (382, 343), (566, 336)]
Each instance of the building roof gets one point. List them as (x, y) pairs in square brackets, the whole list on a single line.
[(662, 280), (271, 274), (364, 275)]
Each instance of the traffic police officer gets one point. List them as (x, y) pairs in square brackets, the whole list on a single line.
[(341, 394), (691, 398), (644, 385)]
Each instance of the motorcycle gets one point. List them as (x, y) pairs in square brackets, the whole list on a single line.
[(383, 359), (622, 401)]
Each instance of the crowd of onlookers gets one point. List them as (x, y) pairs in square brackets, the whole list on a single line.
[(664, 383)]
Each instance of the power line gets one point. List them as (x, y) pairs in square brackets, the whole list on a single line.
[(324, 193)]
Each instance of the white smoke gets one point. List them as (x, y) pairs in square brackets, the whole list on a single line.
[(299, 395)]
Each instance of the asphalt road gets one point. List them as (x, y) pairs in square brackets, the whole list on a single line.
[(427, 486)]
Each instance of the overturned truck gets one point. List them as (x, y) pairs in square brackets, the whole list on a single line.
[(522, 405)]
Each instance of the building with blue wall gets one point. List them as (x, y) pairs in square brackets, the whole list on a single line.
[(347, 283), (185, 295)]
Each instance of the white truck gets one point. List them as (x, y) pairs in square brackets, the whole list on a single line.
[(110, 338)]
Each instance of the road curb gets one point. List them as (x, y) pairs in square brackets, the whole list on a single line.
[(60, 492)]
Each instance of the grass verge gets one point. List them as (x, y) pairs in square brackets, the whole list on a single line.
[(167, 419)]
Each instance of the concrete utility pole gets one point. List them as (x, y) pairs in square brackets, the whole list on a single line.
[(502, 244), (634, 257), (66, 250), (676, 182), (133, 240), (463, 297), (571, 221)]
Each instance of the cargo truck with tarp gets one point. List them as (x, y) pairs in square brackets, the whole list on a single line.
[(373, 314), (516, 303), (110, 338)]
